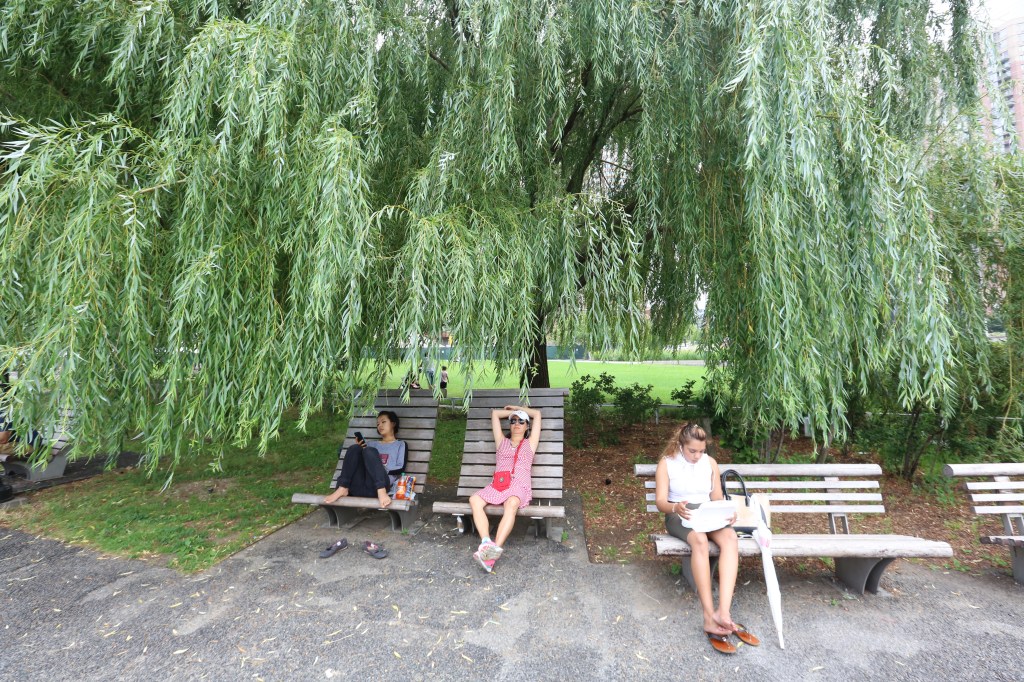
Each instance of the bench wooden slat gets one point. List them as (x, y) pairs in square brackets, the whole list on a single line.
[(535, 472), (1007, 509), (817, 509), (994, 485), (475, 483), (350, 502), (999, 469), (792, 485), (998, 497), (408, 434), (531, 510), (491, 402), (810, 470), (806, 497), (538, 493), (403, 411), (489, 458), (827, 545), (484, 423), (1005, 540), (514, 392), (488, 445), (395, 403), (368, 425)]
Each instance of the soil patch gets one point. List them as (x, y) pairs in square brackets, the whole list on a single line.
[(617, 524), (204, 489)]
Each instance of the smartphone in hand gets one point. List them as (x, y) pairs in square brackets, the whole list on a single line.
[(359, 438)]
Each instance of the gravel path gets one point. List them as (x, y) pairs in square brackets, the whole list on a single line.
[(277, 612)]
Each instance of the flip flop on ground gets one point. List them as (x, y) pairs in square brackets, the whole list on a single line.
[(374, 550), (720, 643), (745, 635), (334, 549)]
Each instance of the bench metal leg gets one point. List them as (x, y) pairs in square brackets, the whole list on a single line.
[(54, 468), (553, 529), (464, 522), (403, 520), (1018, 563), (339, 516), (687, 567), (861, 573)]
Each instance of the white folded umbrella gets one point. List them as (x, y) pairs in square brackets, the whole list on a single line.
[(763, 536)]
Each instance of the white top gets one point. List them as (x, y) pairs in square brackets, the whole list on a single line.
[(690, 482)]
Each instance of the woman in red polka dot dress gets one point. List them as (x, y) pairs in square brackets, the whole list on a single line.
[(511, 487)]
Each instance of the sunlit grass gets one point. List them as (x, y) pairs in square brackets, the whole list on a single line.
[(664, 377)]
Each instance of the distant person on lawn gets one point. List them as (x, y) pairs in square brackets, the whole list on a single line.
[(371, 469), (687, 475), (512, 486)]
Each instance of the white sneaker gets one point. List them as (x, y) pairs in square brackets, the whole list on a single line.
[(489, 551), (486, 564)]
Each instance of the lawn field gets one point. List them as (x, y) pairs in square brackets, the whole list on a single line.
[(665, 377)]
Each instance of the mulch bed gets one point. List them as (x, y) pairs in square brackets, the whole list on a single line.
[(617, 524)]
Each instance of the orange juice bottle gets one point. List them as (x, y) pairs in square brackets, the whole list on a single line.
[(400, 491)]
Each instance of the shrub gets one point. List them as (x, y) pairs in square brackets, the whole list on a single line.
[(694, 405), (582, 409), (634, 403)]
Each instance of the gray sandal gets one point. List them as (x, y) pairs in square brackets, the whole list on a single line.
[(334, 549), (374, 550)]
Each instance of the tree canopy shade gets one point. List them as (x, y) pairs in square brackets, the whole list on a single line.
[(221, 208)]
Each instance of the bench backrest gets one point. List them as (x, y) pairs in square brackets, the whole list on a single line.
[(478, 452), (834, 489), (999, 495), (418, 422)]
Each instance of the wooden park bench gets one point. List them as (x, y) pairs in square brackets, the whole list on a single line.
[(54, 464), (477, 470), (837, 490), (1001, 495), (417, 423)]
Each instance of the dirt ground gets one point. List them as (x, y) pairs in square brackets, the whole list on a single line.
[(617, 524)]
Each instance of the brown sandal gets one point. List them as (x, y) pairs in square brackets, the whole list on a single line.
[(720, 643), (745, 636)]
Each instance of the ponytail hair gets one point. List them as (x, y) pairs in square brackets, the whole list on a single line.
[(681, 436)]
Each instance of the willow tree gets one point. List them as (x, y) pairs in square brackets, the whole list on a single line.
[(234, 206)]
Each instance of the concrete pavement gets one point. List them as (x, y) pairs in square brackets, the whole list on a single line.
[(275, 611)]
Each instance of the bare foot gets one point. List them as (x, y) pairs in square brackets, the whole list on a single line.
[(336, 495), (713, 626), (724, 620), (384, 500)]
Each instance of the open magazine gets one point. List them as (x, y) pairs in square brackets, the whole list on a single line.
[(708, 516)]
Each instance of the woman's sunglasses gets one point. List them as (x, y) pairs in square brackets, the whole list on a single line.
[(517, 420)]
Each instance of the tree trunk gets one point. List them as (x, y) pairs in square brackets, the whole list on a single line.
[(539, 377), (907, 470), (705, 423)]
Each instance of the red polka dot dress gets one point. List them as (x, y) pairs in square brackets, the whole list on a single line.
[(521, 484)]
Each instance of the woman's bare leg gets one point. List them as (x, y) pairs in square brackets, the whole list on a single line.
[(700, 564), (508, 520), (728, 567), (483, 526)]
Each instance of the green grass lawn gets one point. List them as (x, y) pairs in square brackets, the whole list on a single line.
[(664, 377), (205, 515)]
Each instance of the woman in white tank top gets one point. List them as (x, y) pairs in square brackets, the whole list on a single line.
[(686, 475)]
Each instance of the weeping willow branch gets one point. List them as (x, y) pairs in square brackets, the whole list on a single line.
[(244, 206)]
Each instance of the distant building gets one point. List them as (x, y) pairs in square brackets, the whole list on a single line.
[(1007, 74)]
